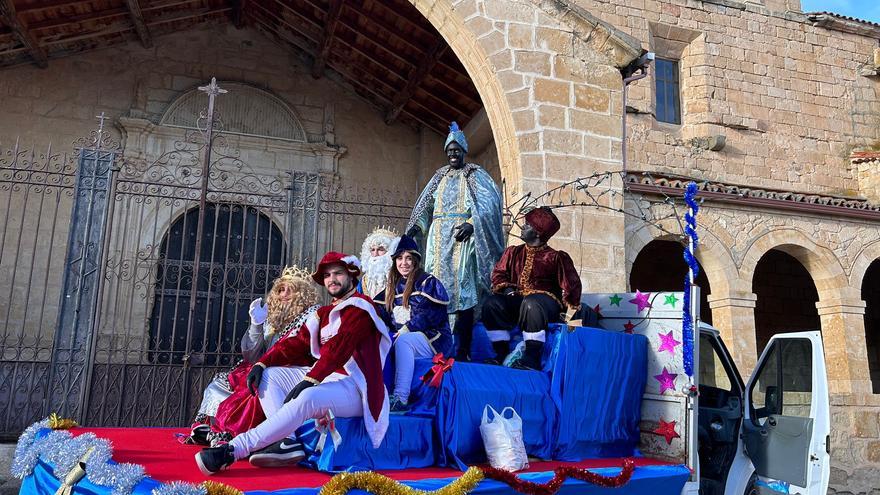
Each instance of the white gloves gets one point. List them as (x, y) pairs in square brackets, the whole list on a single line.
[(258, 311)]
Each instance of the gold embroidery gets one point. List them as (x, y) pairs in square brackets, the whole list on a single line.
[(456, 247), (525, 280)]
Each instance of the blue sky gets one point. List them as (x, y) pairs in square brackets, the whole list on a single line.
[(868, 10)]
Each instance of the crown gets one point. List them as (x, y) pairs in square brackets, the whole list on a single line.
[(385, 230), (295, 272)]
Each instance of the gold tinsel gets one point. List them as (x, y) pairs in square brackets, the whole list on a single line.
[(378, 484), (57, 423), (215, 488)]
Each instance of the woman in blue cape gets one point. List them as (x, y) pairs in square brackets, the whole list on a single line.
[(414, 304)]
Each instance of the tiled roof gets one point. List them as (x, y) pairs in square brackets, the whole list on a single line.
[(648, 183), (840, 16)]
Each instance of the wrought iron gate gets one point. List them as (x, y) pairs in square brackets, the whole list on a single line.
[(162, 262)]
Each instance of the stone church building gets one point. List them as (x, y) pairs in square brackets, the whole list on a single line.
[(333, 120)]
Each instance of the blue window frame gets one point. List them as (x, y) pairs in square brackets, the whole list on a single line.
[(668, 107)]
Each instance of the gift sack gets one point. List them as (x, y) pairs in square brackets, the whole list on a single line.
[(503, 439)]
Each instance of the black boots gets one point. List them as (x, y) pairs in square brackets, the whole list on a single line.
[(502, 349)]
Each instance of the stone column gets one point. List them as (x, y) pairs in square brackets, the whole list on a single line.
[(842, 315), (733, 314)]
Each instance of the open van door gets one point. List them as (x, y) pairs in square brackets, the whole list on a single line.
[(787, 425)]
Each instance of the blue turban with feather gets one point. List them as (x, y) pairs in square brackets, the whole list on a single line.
[(456, 135)]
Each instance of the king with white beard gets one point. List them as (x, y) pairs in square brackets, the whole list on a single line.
[(376, 259)]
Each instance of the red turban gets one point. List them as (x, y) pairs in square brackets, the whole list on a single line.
[(544, 222)]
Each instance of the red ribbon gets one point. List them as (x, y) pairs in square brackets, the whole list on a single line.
[(434, 376), (560, 474)]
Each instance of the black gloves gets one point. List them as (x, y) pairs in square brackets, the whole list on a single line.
[(464, 233), (253, 378), (298, 390)]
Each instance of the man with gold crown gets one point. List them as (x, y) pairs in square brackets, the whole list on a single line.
[(376, 259), (228, 407), (458, 215)]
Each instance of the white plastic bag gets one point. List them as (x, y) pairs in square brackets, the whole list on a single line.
[(503, 439)]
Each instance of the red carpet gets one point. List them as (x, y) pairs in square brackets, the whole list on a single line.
[(165, 459)]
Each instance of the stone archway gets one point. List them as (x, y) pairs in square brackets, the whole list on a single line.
[(660, 266), (549, 76), (840, 307)]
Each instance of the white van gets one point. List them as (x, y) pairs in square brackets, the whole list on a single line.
[(769, 436)]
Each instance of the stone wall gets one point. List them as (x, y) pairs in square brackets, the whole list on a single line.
[(786, 94), (59, 104)]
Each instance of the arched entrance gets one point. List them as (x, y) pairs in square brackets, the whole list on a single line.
[(659, 266), (242, 251), (871, 296), (786, 297)]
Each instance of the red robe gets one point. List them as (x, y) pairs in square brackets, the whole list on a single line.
[(346, 337), (540, 270)]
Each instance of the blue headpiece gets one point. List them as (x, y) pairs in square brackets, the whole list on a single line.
[(406, 245), (456, 135)]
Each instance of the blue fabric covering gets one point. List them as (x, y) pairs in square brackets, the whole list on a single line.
[(409, 443), (648, 480), (586, 404), (597, 386), (466, 390)]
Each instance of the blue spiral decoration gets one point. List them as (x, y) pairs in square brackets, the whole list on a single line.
[(690, 229)]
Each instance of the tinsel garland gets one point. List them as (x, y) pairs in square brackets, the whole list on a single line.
[(64, 452), (56, 422), (180, 488), (216, 488), (378, 484), (687, 323), (561, 474)]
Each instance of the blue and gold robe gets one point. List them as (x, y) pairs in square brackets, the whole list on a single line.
[(452, 197)]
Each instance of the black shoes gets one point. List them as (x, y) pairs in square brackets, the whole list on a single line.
[(286, 452), (199, 435), (215, 459)]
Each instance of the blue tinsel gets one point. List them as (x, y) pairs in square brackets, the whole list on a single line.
[(687, 324)]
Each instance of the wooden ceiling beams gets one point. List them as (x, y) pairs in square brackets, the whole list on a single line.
[(137, 18), (9, 16)]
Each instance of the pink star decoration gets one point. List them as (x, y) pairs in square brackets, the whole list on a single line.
[(667, 430), (641, 300), (628, 327), (667, 342), (667, 380)]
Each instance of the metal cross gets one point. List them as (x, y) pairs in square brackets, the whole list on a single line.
[(212, 89), (100, 136)]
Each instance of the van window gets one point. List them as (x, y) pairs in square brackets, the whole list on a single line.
[(785, 381), (712, 371)]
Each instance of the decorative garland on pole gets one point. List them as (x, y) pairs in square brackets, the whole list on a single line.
[(690, 229)]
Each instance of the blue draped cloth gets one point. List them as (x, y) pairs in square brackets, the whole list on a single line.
[(597, 385), (408, 443)]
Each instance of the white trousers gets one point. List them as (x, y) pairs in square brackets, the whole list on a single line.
[(337, 393), (276, 383), (407, 348)]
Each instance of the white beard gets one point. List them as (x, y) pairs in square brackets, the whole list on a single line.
[(376, 273)]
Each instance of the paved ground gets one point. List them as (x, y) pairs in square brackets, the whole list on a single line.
[(8, 484)]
